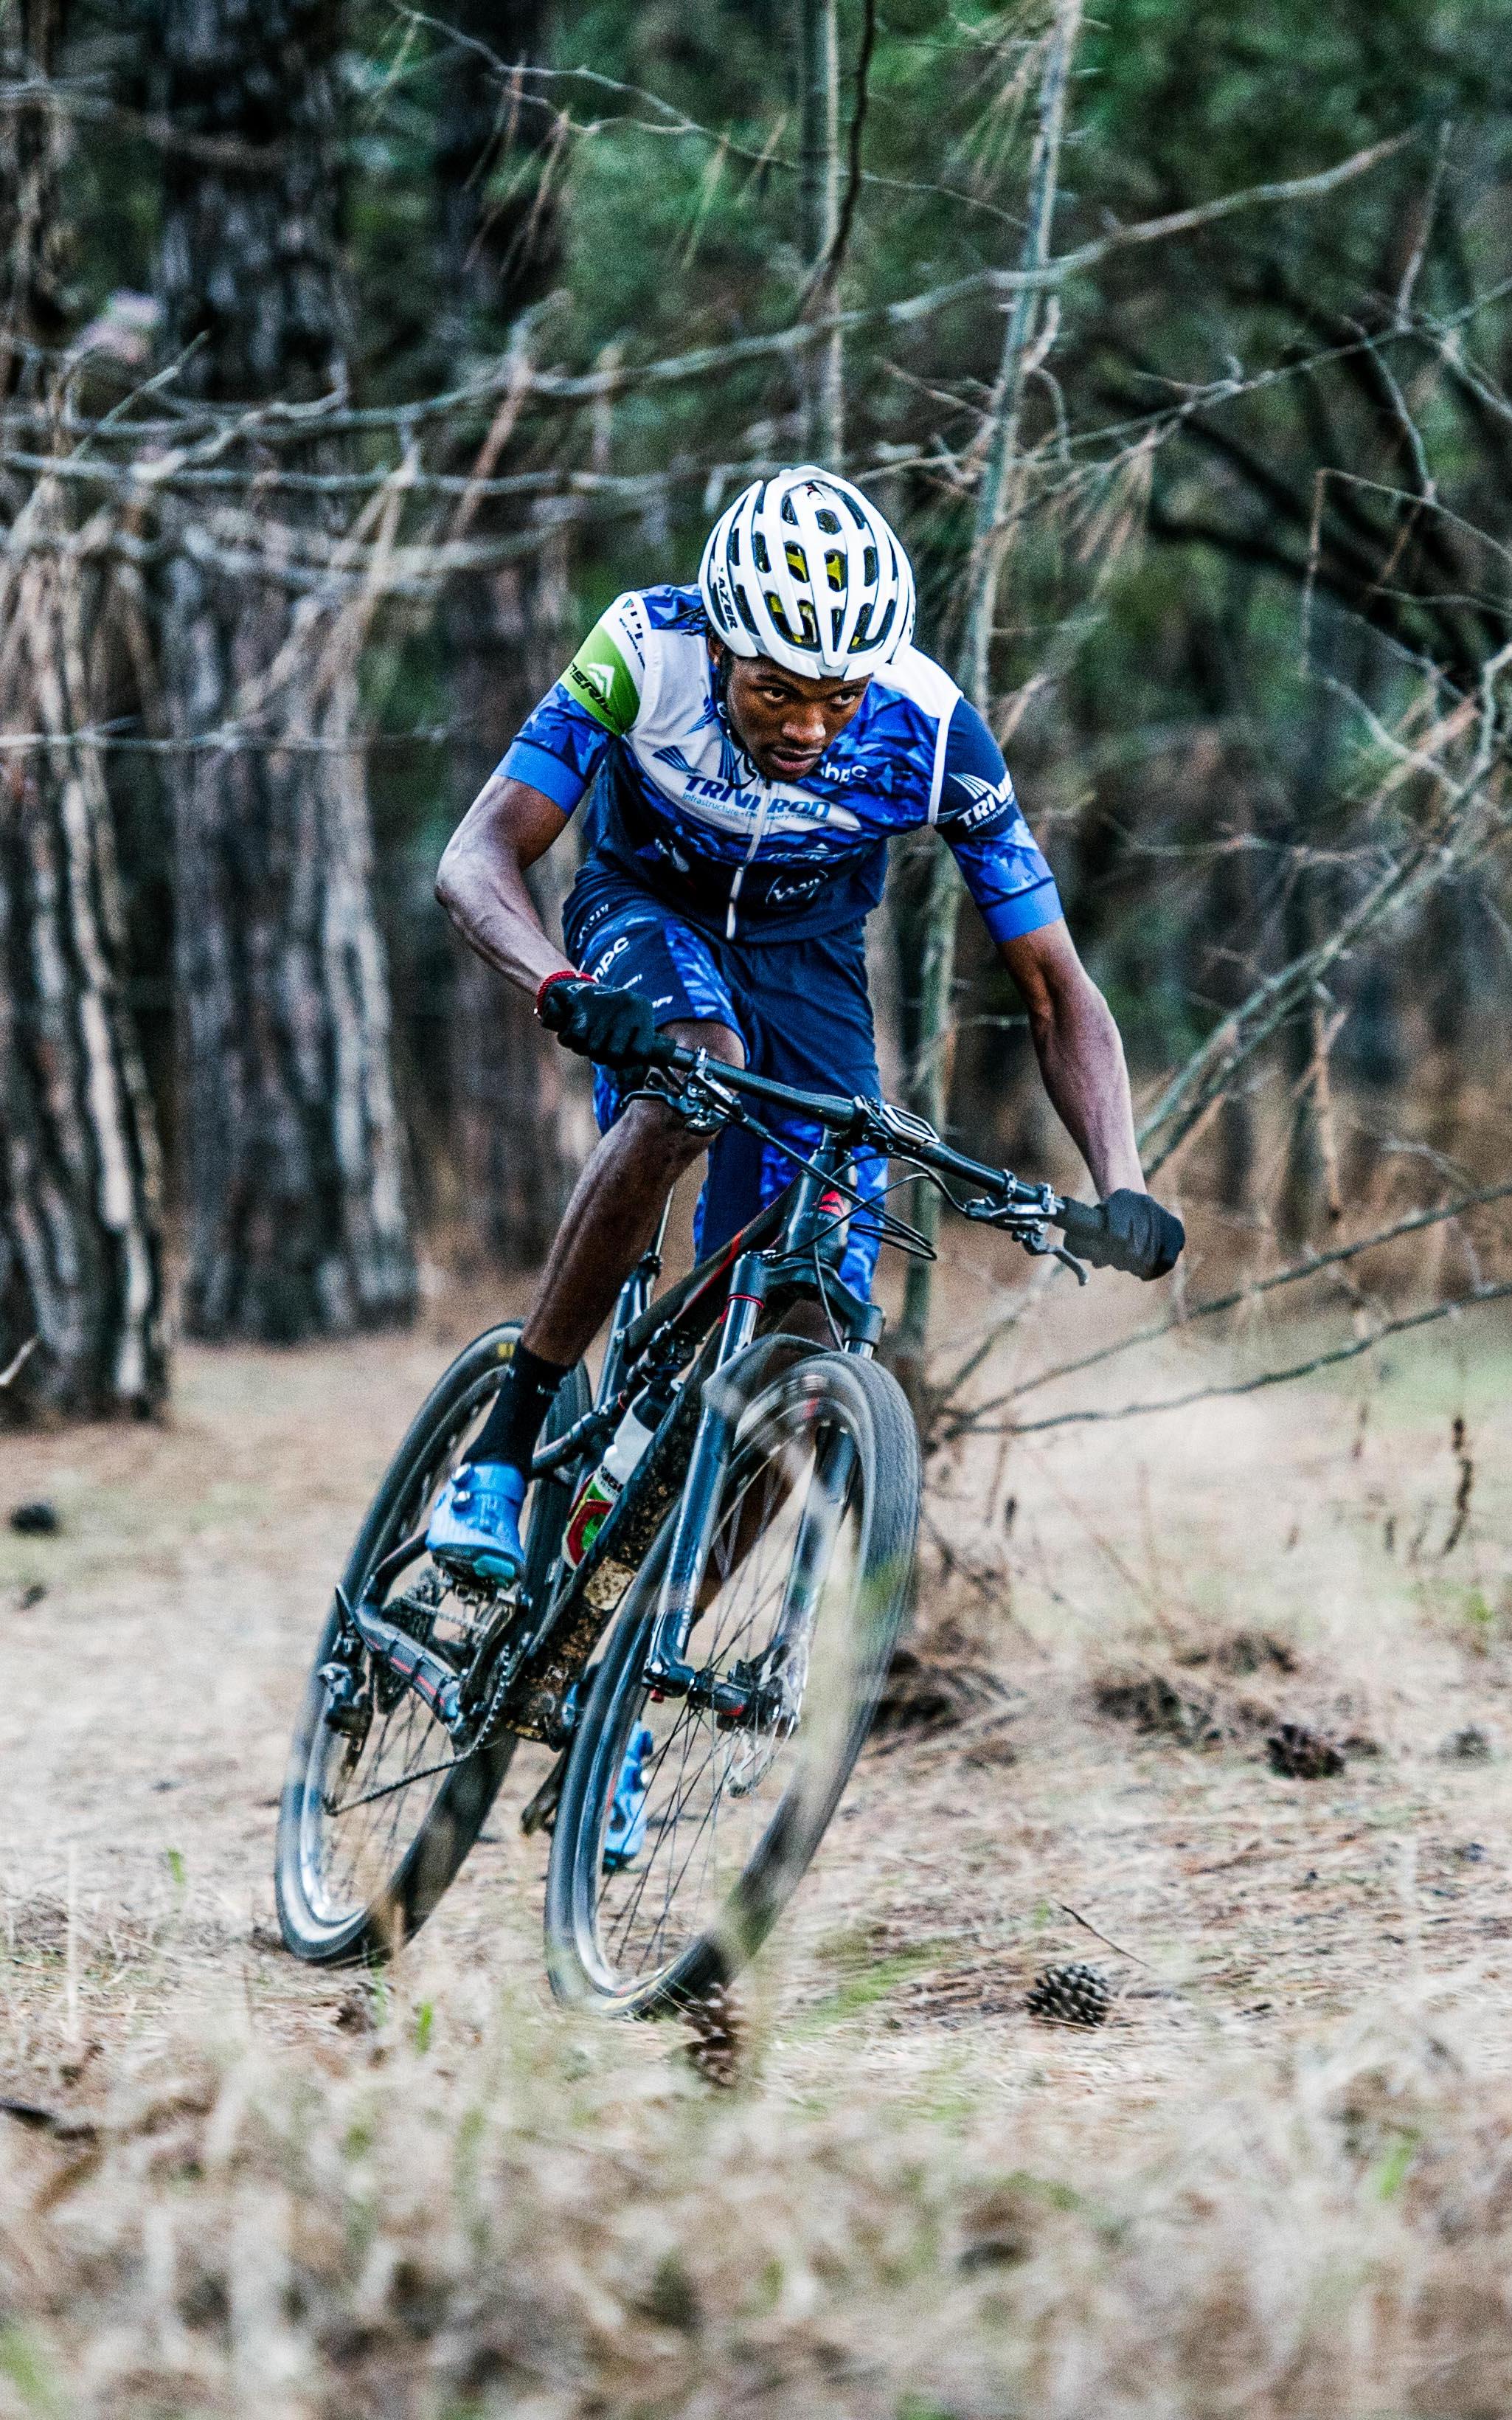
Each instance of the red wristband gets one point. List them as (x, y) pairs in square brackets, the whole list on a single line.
[(563, 974)]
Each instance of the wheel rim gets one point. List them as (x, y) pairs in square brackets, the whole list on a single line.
[(725, 1809)]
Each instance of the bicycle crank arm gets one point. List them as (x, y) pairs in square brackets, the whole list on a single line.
[(429, 1675)]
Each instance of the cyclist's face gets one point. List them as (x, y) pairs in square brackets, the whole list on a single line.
[(784, 720)]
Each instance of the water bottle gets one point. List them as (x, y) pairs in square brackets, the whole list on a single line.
[(596, 1499)]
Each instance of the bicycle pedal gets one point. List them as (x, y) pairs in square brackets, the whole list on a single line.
[(470, 1586)]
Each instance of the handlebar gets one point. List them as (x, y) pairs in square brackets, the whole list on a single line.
[(707, 1093), (905, 1135), (1084, 1224)]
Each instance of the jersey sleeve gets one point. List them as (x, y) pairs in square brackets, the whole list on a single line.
[(980, 821), (561, 744)]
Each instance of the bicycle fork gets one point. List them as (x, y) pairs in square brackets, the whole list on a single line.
[(667, 1671)]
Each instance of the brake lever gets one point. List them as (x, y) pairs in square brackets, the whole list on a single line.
[(1026, 1226), (704, 1105), (1039, 1244)]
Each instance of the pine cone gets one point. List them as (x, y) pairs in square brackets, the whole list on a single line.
[(718, 2037), (1070, 1996), (1305, 1755)]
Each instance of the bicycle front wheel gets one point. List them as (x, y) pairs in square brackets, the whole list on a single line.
[(653, 1901)]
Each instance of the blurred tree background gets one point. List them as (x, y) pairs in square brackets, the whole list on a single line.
[(354, 357)]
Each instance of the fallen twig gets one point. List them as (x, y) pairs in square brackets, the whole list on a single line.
[(18, 1360), (1077, 1918)]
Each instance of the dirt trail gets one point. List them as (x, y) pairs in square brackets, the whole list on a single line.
[(1273, 2183), (154, 1651)]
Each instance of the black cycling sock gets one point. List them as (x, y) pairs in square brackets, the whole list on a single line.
[(520, 1406)]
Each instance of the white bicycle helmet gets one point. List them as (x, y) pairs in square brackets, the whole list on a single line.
[(804, 569)]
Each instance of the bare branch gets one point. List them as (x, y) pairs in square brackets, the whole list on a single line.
[(1448, 844), (285, 423), (1349, 1352), (1241, 1296)]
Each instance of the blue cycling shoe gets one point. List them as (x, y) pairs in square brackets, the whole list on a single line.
[(475, 1526), (627, 1834)]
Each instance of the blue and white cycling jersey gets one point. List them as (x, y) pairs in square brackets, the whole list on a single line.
[(677, 805)]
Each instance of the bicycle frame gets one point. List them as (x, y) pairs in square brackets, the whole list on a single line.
[(711, 1314), (702, 1326)]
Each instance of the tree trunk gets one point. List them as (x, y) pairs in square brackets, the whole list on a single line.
[(297, 1221), (80, 1239), (80, 1242), (515, 1105), (32, 311)]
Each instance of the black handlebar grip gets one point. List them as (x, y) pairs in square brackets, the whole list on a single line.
[(1084, 1224)]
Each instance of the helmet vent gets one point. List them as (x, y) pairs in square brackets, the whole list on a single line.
[(803, 567)]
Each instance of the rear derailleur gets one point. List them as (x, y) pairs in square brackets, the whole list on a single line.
[(377, 1656)]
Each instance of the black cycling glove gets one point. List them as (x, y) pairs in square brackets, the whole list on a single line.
[(613, 1028), (1137, 1236)]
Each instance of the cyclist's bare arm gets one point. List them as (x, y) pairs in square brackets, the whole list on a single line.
[(481, 880), (617, 1202), (1080, 1054)]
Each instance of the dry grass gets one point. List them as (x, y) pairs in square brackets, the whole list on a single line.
[(1278, 2181)]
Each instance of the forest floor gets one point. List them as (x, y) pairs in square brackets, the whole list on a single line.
[(1278, 2180)]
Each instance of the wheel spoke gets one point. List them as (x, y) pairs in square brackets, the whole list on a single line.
[(713, 1795), (368, 1812), (358, 1808)]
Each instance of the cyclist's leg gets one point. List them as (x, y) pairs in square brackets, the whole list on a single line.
[(617, 1202), (615, 1207), (805, 1009), (610, 1221)]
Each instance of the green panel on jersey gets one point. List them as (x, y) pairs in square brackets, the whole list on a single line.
[(600, 679)]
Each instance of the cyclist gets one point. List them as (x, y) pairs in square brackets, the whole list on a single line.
[(747, 746)]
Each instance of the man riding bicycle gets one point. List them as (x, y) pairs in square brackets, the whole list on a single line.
[(747, 748)]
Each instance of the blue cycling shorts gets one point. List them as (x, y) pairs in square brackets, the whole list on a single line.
[(802, 1011)]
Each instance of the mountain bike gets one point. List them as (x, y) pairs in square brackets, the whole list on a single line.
[(724, 1635)]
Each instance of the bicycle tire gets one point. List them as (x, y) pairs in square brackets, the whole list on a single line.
[(373, 1927), (820, 1394)]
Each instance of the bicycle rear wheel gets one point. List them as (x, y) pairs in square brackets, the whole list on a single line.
[(803, 1597), (373, 1826)]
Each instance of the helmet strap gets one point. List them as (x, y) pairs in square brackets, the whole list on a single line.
[(724, 664)]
